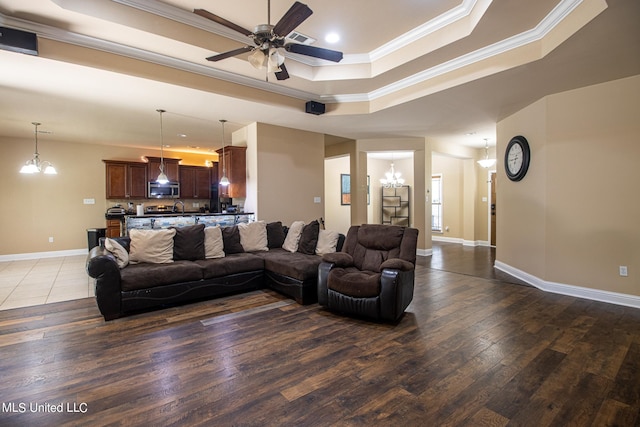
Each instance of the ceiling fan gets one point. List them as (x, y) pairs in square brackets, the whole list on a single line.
[(268, 39)]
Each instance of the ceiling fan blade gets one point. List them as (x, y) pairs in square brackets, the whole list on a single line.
[(290, 20), (283, 74), (222, 21), (230, 53), (316, 52)]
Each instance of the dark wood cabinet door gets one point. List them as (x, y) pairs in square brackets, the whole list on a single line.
[(195, 182), (187, 182), (126, 180), (116, 180), (202, 185), (171, 168), (235, 164), (137, 181)]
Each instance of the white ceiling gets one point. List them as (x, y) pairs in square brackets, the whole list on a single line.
[(438, 69)]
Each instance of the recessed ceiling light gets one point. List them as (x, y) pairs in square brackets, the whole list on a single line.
[(332, 38), (182, 135)]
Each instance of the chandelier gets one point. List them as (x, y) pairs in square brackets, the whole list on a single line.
[(35, 165), (486, 162), (392, 179)]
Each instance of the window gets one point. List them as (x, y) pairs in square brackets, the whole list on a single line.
[(436, 203)]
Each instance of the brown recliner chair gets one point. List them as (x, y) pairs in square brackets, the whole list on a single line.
[(374, 274)]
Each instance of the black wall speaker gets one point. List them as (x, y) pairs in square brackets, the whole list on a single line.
[(18, 41), (313, 107)]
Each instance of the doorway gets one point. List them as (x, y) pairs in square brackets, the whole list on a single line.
[(492, 208)]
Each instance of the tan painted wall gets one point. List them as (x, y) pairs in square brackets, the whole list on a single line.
[(290, 173), (337, 216), (452, 172), (574, 218), (40, 206)]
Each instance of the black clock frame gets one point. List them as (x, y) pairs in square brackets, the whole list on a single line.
[(526, 157)]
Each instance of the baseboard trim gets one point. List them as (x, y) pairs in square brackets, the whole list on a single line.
[(570, 290), (460, 241), (36, 255), (424, 252)]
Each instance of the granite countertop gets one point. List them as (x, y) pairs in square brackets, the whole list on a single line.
[(150, 215)]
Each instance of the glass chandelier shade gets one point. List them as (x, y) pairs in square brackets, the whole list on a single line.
[(486, 162), (392, 179), (35, 165), (162, 177), (267, 57)]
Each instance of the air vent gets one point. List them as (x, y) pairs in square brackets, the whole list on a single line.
[(297, 37)]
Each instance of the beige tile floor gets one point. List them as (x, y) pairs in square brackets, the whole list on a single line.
[(42, 281)]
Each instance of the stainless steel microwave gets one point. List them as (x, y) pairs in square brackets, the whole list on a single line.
[(170, 190)]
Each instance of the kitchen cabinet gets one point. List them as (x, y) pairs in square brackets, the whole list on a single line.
[(126, 180), (171, 168), (113, 228), (195, 182), (235, 163)]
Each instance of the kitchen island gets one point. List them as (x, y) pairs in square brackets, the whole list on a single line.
[(158, 221)]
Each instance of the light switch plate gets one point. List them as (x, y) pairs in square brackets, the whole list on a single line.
[(89, 201)]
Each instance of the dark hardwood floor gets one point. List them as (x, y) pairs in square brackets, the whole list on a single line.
[(472, 349)]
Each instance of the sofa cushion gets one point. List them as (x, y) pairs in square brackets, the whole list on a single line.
[(293, 236), (147, 275), (309, 238), (231, 240), (253, 236), (213, 243), (188, 243), (275, 235), (118, 251), (153, 246), (296, 265), (327, 242), (230, 264), (353, 282)]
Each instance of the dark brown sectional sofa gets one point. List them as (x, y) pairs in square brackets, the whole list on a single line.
[(143, 286)]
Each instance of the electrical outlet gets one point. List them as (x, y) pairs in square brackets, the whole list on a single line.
[(317, 200), (196, 204), (623, 271), (51, 239)]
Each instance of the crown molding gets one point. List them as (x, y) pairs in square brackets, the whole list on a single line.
[(556, 16), (81, 40)]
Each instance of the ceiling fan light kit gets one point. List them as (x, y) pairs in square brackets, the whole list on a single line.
[(268, 39)]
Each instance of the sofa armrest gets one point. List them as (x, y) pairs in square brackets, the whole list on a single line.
[(102, 266), (398, 264), (340, 259), (396, 292), (323, 291)]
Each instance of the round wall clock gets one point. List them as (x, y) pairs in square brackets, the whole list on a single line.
[(516, 158)]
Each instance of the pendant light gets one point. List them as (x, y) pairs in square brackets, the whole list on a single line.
[(224, 181), (162, 178), (486, 162), (35, 165)]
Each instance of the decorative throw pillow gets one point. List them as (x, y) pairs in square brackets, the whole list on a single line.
[(213, 243), (309, 238), (253, 236), (120, 254), (275, 235), (327, 242), (231, 240), (293, 236), (153, 246), (188, 243)]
